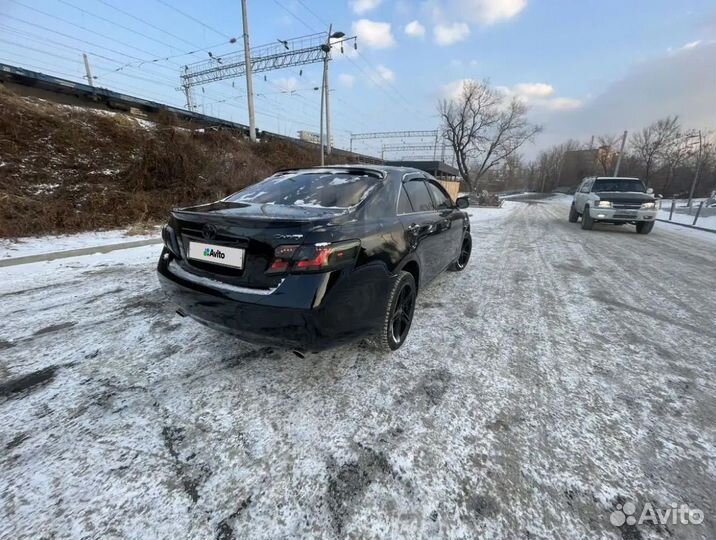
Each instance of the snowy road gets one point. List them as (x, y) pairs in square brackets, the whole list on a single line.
[(563, 373)]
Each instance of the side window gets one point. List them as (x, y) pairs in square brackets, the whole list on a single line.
[(441, 200), (585, 186), (419, 196), (404, 206)]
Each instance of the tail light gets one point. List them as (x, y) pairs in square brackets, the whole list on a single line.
[(313, 258)]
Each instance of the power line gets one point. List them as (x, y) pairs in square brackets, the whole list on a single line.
[(162, 2), (299, 19), (123, 63), (103, 36), (28, 48), (115, 23), (128, 14), (320, 19)]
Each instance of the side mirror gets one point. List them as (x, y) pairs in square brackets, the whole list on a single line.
[(462, 202), (649, 191)]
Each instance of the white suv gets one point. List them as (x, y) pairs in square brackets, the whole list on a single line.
[(614, 200)]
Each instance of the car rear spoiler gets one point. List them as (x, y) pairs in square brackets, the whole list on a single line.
[(345, 169)]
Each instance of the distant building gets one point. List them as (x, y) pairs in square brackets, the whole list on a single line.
[(577, 164), (312, 137)]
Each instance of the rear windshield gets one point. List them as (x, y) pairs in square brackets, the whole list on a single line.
[(606, 184), (321, 189)]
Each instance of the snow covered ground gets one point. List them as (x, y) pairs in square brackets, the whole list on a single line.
[(35, 245), (563, 373)]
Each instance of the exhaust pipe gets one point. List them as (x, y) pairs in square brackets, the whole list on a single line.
[(298, 353), (181, 312)]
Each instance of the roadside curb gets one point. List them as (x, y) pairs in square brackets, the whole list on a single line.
[(13, 261), (687, 225)]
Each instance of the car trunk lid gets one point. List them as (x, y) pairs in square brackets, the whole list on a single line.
[(257, 229)]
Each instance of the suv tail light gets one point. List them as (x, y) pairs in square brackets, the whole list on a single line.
[(313, 258)]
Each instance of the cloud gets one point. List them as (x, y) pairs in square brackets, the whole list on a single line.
[(481, 12), (539, 90), (682, 83), (415, 29), (286, 85), (384, 74), (346, 80), (448, 34), (541, 96), (538, 96), (453, 90), (373, 34), (691, 44), (487, 12), (364, 6), (561, 104)]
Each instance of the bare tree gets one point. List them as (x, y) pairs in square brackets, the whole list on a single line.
[(649, 143), (607, 152), (483, 129), (673, 154)]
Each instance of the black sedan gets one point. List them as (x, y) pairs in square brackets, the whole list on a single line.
[(311, 258)]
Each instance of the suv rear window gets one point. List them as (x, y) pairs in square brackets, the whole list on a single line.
[(321, 189), (618, 184)]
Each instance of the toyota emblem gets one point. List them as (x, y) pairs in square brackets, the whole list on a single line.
[(208, 231)]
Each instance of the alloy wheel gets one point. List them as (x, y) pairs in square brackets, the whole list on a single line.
[(402, 313), (464, 254)]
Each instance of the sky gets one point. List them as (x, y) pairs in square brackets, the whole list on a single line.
[(583, 67)]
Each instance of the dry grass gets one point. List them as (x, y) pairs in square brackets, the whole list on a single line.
[(65, 169)]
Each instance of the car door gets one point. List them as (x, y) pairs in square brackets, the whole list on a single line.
[(451, 221), (422, 227)]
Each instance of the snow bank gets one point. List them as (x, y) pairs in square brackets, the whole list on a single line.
[(36, 245)]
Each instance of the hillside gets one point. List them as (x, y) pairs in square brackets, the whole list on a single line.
[(65, 168)]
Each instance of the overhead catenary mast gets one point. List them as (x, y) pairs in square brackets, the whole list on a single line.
[(249, 81), (309, 49)]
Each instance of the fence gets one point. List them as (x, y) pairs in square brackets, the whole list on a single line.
[(698, 215), (452, 187)]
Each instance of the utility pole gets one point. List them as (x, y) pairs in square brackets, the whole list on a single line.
[(326, 58), (323, 97), (621, 152), (249, 82), (698, 170), (88, 73), (189, 98)]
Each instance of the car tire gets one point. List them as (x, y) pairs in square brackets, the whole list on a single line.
[(587, 221), (398, 318), (644, 227), (573, 214), (464, 257)]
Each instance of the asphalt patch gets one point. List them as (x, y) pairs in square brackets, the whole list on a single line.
[(54, 328), (25, 382), (348, 484)]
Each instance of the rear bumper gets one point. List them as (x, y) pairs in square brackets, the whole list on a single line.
[(310, 312), (617, 215)]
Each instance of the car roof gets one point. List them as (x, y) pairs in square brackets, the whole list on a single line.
[(383, 170)]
